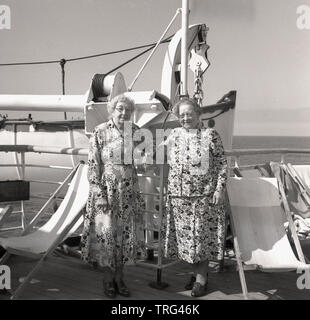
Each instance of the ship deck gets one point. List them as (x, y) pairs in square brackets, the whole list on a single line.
[(67, 277)]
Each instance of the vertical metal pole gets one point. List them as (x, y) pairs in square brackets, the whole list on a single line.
[(74, 160), (184, 53), (161, 204), (62, 65), (159, 284), (149, 204), (23, 218), (18, 170)]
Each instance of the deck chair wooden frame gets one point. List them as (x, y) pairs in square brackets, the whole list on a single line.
[(289, 215), (41, 257), (4, 214), (240, 263)]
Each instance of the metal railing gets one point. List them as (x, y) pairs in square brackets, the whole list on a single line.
[(236, 154), (157, 197), (22, 150)]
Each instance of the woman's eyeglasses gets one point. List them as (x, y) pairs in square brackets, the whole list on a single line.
[(123, 110)]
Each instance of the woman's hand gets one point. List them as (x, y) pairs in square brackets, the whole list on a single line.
[(217, 197)]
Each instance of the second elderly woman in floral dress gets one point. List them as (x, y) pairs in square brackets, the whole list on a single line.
[(113, 220), (194, 223)]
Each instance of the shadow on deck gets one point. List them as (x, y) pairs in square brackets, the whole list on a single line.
[(69, 278)]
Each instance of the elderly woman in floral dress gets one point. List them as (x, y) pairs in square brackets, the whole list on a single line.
[(194, 222), (114, 209)]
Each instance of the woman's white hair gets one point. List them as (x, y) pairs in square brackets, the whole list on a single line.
[(190, 101), (120, 98)]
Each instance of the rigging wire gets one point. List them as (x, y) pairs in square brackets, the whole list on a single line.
[(98, 78), (138, 55), (84, 57)]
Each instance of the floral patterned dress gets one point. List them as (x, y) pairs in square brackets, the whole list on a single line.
[(113, 235), (193, 228)]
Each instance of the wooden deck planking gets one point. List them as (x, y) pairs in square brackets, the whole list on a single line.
[(76, 280)]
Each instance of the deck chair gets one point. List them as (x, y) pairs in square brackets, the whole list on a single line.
[(297, 191), (257, 222), (303, 174), (42, 242), (262, 170), (249, 173)]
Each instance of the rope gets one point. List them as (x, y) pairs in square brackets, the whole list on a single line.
[(84, 57), (98, 78), (127, 61), (138, 55)]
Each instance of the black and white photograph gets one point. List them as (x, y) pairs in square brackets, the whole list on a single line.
[(154, 150)]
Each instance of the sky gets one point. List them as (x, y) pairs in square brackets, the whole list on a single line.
[(256, 48)]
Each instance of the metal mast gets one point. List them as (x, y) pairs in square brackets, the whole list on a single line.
[(184, 53)]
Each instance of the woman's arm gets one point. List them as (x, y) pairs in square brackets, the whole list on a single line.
[(95, 169), (219, 163)]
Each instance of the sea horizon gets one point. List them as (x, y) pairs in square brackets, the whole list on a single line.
[(272, 142)]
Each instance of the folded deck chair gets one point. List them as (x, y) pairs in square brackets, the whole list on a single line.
[(257, 220), (293, 179), (303, 173), (43, 241)]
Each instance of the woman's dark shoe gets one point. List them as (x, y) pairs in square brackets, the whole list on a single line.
[(122, 289), (109, 289), (189, 285), (199, 289)]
